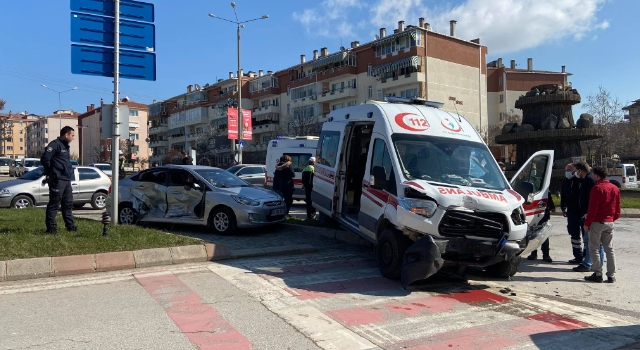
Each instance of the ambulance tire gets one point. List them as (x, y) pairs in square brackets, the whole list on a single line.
[(504, 269), (390, 251)]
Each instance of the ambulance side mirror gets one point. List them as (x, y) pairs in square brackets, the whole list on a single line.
[(378, 178)]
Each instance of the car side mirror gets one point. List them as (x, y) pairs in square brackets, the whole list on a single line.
[(378, 178), (525, 189)]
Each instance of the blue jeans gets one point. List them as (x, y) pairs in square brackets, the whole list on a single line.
[(587, 257)]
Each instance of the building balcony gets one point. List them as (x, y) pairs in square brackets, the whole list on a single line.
[(193, 137), (265, 128), (158, 129), (197, 120), (267, 109), (399, 80), (338, 94), (270, 91), (159, 143)]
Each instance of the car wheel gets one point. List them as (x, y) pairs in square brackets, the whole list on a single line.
[(616, 183), (99, 200), (390, 251), (21, 202), (222, 221), (504, 269), (127, 215)]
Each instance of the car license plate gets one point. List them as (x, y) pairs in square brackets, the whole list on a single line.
[(275, 212)]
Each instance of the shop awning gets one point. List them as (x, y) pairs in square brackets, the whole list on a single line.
[(331, 59), (412, 33), (413, 61)]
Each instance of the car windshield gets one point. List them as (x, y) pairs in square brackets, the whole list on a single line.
[(221, 178), (31, 163), (5, 162), (449, 161), (103, 167), (234, 169), (34, 174)]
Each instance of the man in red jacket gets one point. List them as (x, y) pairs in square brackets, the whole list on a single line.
[(604, 209)]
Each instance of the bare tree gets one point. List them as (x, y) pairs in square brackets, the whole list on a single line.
[(301, 121), (4, 127), (173, 157), (2, 103), (607, 117)]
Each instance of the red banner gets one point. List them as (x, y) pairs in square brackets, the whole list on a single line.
[(232, 123), (247, 129)]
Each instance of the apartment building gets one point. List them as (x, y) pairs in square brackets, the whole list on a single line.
[(14, 133), (632, 111), (46, 129), (411, 61), (94, 148), (506, 85)]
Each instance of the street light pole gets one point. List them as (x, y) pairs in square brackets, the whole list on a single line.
[(239, 25), (59, 101)]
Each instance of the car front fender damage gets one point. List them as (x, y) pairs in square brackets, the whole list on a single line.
[(421, 261)]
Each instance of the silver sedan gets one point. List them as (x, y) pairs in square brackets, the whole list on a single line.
[(90, 185), (198, 195)]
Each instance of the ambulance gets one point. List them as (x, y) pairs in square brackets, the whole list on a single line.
[(421, 184), (300, 149)]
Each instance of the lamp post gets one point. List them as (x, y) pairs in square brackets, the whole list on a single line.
[(239, 24), (82, 143), (59, 100)]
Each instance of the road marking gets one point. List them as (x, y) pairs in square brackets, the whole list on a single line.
[(202, 324)]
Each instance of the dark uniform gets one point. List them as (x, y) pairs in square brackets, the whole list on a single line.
[(570, 203), (59, 172)]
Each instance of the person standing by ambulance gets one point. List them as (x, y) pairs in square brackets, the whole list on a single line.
[(307, 184), (284, 174), (59, 174)]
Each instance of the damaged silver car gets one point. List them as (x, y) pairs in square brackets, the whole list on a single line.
[(198, 195)]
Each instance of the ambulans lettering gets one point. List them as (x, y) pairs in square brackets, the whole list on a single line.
[(458, 191)]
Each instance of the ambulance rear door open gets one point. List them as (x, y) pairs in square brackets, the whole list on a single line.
[(329, 157)]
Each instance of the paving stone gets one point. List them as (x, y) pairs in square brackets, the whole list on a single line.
[(115, 261), (73, 265)]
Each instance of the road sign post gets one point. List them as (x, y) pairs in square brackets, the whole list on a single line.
[(97, 26)]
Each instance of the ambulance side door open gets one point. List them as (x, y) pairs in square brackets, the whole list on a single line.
[(326, 174), (532, 182)]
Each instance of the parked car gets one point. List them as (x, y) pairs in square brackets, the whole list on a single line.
[(251, 173), (14, 166), (27, 165), (4, 165), (89, 186), (197, 195), (74, 162), (106, 168), (628, 177)]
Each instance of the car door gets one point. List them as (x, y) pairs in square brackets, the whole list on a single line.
[(75, 187), (326, 180), (532, 182), (88, 184), (183, 198), (253, 175), (149, 194)]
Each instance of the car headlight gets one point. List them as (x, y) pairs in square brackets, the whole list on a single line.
[(419, 206), (4, 191), (246, 201)]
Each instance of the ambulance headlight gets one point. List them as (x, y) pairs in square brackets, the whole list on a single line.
[(419, 206)]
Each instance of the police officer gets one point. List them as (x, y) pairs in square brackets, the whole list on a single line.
[(59, 172)]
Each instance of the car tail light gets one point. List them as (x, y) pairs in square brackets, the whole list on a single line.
[(109, 189)]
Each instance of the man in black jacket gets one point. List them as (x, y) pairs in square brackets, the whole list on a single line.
[(59, 171), (582, 169), (570, 205)]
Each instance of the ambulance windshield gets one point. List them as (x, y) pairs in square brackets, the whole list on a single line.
[(447, 160)]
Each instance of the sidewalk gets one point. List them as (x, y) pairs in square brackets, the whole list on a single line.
[(626, 213)]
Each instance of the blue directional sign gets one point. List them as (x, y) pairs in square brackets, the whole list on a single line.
[(129, 9), (98, 30), (94, 60)]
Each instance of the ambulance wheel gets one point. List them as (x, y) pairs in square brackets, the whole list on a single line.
[(390, 251), (504, 269)]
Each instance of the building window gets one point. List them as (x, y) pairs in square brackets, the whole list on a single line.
[(501, 98), (9, 148), (402, 43), (21, 140), (370, 94), (21, 131), (500, 81), (501, 116), (21, 148), (133, 112), (411, 93), (20, 125)]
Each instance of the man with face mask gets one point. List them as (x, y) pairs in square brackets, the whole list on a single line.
[(570, 205)]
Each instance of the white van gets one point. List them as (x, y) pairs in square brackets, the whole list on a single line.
[(421, 184), (300, 149), (4, 165), (628, 179)]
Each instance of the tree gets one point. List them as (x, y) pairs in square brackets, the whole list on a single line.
[(608, 117), (212, 143), (301, 121), (5, 126), (2, 103), (173, 157)]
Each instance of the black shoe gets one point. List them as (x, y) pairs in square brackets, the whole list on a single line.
[(575, 261), (593, 278), (51, 232), (547, 258), (611, 279), (581, 268), (532, 256), (72, 229)]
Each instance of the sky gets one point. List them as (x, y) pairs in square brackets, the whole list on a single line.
[(595, 39)]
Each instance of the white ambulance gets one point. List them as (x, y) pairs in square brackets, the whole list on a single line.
[(300, 149), (422, 185)]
